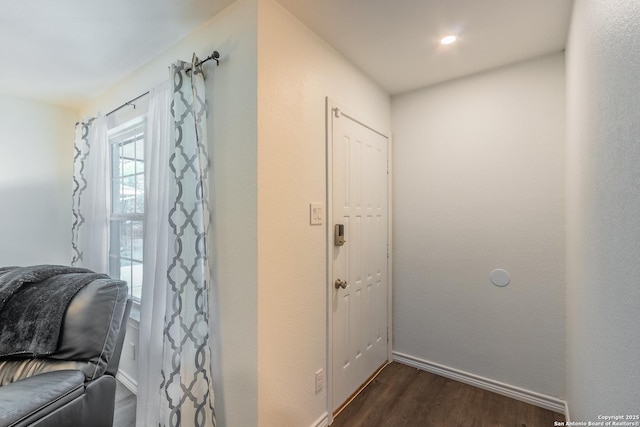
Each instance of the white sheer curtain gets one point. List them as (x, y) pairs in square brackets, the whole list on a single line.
[(174, 385), (186, 370), (90, 228), (174, 371), (158, 196)]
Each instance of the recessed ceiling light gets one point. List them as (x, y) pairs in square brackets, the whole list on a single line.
[(448, 40)]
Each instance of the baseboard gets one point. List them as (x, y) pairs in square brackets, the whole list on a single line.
[(567, 418), (323, 421), (128, 382), (533, 398)]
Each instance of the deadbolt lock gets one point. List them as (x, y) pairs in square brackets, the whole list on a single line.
[(338, 235)]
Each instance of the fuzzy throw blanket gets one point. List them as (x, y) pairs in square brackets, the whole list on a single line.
[(33, 301)]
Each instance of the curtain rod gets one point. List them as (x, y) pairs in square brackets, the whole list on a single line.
[(126, 104), (215, 55)]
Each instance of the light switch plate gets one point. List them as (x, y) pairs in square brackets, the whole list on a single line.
[(316, 213)]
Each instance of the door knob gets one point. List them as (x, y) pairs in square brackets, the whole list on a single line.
[(341, 284)]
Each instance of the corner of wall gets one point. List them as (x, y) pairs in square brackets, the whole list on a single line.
[(296, 72), (602, 209)]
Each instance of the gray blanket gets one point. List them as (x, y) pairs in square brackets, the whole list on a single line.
[(33, 301)]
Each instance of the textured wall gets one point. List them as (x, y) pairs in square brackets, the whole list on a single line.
[(36, 169), (603, 210), (231, 93), (296, 71), (479, 185)]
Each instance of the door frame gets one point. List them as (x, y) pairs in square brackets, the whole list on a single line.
[(330, 107)]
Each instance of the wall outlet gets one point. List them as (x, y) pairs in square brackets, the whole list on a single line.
[(320, 381), (133, 351)]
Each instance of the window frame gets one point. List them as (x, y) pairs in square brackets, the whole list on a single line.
[(131, 131)]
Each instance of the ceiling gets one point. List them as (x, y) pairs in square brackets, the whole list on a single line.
[(397, 42), (70, 51)]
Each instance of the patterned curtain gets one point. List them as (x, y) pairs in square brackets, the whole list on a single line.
[(187, 388), (89, 232)]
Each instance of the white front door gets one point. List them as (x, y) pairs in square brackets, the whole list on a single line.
[(359, 210)]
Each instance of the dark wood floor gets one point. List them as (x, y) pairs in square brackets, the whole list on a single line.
[(404, 396), (125, 413)]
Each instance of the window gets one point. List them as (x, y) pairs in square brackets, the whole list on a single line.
[(127, 204)]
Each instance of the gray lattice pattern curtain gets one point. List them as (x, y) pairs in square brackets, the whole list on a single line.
[(186, 366), (89, 232)]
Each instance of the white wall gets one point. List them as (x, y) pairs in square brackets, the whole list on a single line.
[(603, 244), (268, 351), (231, 93), (479, 185), (36, 170), (296, 71)]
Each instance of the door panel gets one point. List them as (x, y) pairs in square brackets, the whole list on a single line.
[(359, 200)]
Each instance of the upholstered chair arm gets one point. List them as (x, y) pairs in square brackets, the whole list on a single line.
[(32, 398)]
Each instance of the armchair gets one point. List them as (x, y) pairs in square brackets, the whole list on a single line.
[(74, 385)]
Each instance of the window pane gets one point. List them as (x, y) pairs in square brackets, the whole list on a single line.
[(125, 273), (125, 263), (140, 154), (127, 205), (139, 200), (125, 240), (114, 250), (135, 286), (128, 194), (115, 178), (128, 155), (116, 205), (137, 236)]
